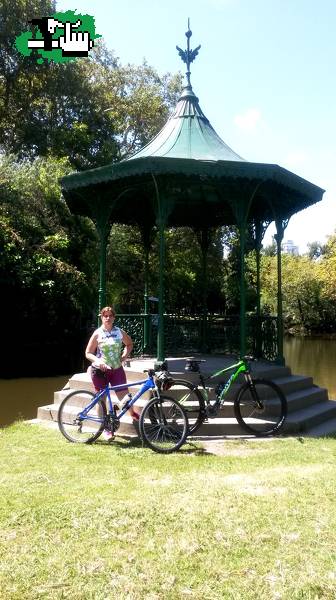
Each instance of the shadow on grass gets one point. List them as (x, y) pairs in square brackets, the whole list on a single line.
[(135, 442), (119, 442)]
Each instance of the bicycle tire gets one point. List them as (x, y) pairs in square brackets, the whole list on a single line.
[(163, 425), (75, 430), (264, 421), (191, 400)]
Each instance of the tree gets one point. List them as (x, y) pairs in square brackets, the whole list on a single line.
[(315, 249), (91, 110), (46, 267)]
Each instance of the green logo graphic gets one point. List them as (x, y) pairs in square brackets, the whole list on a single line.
[(60, 37)]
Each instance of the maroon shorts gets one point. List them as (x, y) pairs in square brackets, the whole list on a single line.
[(113, 376)]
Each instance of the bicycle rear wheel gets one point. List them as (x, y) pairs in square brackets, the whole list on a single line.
[(163, 425), (78, 424), (260, 408), (191, 400)]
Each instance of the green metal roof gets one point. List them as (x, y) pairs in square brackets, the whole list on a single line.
[(188, 134), (201, 180)]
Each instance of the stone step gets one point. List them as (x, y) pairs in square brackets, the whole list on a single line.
[(308, 405), (304, 420), (297, 400), (227, 426), (49, 413), (324, 429), (79, 401), (293, 383), (310, 417), (305, 398), (82, 381), (317, 418)]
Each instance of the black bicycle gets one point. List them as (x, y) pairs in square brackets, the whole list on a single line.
[(260, 406)]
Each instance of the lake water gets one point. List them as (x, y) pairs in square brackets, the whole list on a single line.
[(20, 398), (315, 357)]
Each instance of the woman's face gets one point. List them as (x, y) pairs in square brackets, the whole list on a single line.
[(107, 319)]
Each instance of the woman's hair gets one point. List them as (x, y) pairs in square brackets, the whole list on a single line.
[(107, 309)]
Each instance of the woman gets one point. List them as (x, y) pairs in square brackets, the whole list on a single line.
[(106, 353)]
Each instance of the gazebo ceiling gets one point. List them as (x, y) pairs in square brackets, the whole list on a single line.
[(193, 173)]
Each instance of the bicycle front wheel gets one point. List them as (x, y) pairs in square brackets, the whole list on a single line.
[(191, 400), (163, 425), (261, 407), (78, 423)]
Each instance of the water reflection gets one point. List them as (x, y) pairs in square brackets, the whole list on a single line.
[(20, 398), (315, 357)]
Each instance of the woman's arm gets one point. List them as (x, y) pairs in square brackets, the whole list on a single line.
[(127, 341), (90, 352)]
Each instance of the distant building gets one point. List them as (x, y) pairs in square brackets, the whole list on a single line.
[(288, 247)]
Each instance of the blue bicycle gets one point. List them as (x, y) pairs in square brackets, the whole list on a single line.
[(163, 426)]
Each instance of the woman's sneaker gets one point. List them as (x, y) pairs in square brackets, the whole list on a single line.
[(108, 435)]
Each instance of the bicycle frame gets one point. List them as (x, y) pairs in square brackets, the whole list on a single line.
[(240, 367), (146, 384)]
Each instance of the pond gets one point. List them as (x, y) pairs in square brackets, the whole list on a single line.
[(315, 357), (20, 398)]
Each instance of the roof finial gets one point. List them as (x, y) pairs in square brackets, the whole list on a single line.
[(188, 55)]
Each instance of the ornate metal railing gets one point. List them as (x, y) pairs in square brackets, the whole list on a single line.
[(194, 334)]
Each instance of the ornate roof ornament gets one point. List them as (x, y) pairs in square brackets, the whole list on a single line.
[(188, 55)]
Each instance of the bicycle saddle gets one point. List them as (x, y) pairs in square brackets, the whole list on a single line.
[(192, 365)]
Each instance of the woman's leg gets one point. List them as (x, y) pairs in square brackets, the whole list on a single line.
[(118, 377)]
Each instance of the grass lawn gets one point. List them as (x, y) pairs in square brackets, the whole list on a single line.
[(121, 522)]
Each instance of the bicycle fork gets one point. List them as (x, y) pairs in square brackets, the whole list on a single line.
[(253, 391)]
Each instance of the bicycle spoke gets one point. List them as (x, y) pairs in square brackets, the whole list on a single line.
[(191, 400), (262, 409), (76, 422), (163, 425)]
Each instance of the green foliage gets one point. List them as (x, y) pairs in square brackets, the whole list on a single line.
[(308, 288), (184, 276), (45, 269), (92, 111), (233, 270)]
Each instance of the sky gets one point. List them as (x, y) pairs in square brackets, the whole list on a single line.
[(265, 77)]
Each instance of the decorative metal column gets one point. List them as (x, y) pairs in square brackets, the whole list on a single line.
[(204, 239), (103, 227), (162, 212), (242, 317), (147, 237), (281, 225), (259, 228), (162, 253)]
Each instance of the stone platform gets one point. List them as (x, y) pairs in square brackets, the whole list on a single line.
[(310, 412)]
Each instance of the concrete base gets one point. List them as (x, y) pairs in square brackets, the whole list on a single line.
[(309, 408)]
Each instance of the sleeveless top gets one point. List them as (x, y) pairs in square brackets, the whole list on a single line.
[(110, 346)]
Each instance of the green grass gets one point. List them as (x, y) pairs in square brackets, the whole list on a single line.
[(119, 521)]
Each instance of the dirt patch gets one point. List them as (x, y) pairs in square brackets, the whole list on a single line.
[(226, 448)]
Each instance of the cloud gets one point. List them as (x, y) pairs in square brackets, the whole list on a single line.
[(248, 120)]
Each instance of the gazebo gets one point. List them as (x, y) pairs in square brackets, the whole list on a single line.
[(188, 176)]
